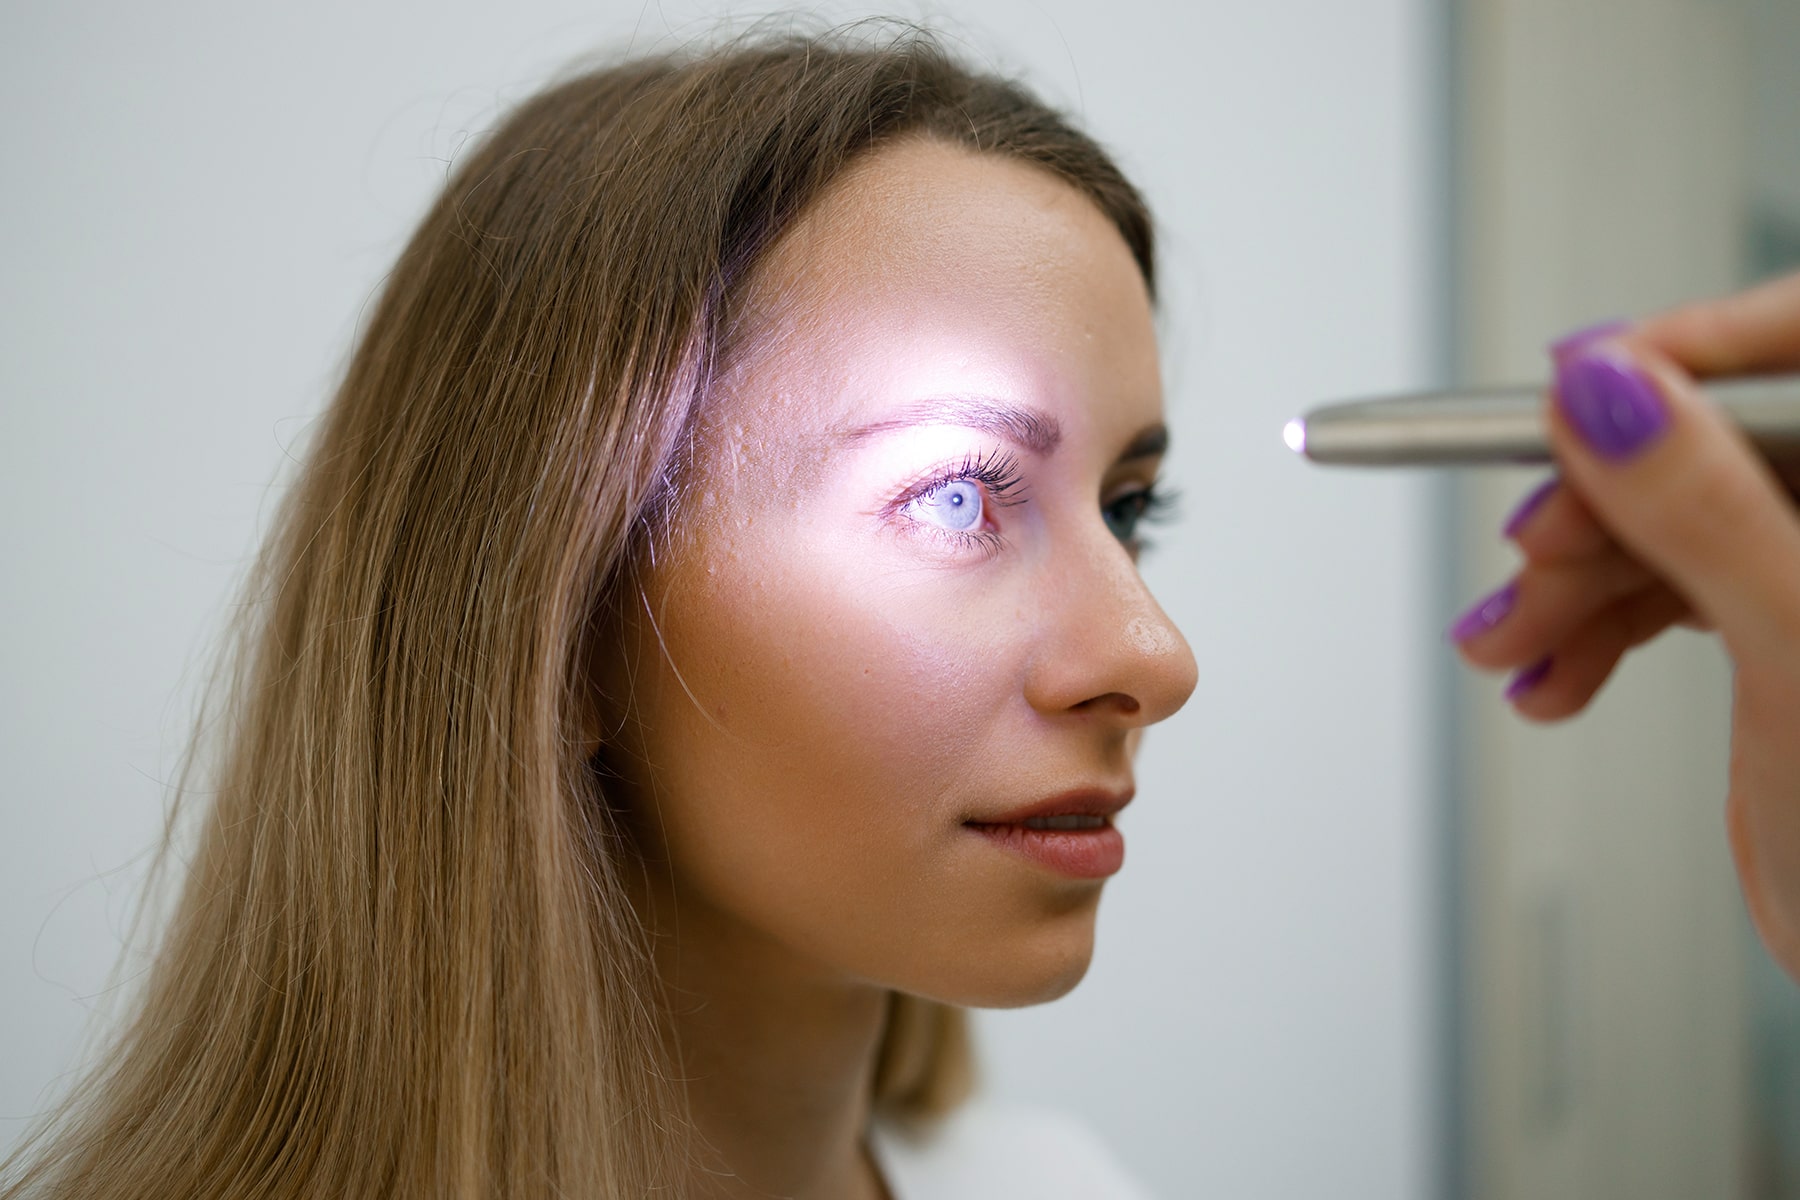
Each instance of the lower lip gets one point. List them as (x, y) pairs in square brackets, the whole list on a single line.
[(1077, 853)]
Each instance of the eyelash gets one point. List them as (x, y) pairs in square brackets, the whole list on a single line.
[(1158, 506)]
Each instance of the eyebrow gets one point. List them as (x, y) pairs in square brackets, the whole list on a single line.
[(1152, 442), (1038, 432)]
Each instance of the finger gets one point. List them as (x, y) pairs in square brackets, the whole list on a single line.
[(1753, 330), (1552, 525), (1542, 606), (1681, 489), (1565, 681)]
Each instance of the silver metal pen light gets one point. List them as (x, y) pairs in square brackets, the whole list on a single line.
[(1505, 425)]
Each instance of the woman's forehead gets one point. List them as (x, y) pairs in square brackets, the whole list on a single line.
[(929, 221), (929, 269)]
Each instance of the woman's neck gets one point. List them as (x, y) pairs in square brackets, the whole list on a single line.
[(778, 1056)]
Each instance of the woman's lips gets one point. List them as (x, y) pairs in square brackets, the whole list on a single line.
[(1083, 801), (1071, 833), (1092, 853)]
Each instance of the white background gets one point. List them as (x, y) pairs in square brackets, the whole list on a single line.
[(199, 199)]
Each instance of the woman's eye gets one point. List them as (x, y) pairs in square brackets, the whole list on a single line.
[(955, 505), (1122, 515)]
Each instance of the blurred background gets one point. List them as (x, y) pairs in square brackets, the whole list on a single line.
[(1376, 937)]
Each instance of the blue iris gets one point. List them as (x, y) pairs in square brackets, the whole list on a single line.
[(955, 506)]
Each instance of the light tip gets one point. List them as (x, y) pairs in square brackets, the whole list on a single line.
[(1294, 434)]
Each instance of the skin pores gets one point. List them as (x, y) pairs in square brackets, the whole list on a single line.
[(825, 677)]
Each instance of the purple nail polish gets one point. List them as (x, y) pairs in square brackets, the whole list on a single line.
[(1530, 504), (1528, 678), (1615, 408), (1569, 343), (1489, 612)]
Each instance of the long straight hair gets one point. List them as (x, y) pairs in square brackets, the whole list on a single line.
[(403, 962)]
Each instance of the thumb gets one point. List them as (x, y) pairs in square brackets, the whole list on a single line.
[(1680, 487)]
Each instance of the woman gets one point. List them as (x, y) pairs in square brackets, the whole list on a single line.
[(703, 649)]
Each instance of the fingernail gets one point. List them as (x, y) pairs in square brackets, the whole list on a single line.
[(1528, 678), (1610, 403), (1569, 343), (1486, 614), (1530, 504)]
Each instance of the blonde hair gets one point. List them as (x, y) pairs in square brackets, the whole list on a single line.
[(403, 962)]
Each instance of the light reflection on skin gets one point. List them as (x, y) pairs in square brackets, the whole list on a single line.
[(844, 684)]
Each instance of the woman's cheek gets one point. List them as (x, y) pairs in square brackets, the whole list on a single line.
[(841, 699), (911, 671)]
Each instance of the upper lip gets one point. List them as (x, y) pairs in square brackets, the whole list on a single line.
[(1092, 802)]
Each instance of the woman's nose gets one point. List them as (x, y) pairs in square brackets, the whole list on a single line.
[(1106, 645)]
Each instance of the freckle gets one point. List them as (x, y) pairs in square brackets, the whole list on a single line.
[(1150, 638)]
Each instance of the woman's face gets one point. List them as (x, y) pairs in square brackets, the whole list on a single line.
[(903, 596)]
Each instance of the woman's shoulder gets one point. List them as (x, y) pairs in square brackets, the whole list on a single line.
[(985, 1150)]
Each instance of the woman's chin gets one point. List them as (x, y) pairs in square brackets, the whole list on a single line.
[(1038, 991), (1022, 972)]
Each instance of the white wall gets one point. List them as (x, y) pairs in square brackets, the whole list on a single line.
[(199, 200)]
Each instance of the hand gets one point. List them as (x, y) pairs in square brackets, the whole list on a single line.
[(1663, 514)]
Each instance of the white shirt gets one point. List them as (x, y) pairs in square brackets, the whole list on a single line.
[(987, 1152)]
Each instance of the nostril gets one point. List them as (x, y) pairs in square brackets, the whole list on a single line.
[(1126, 705)]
